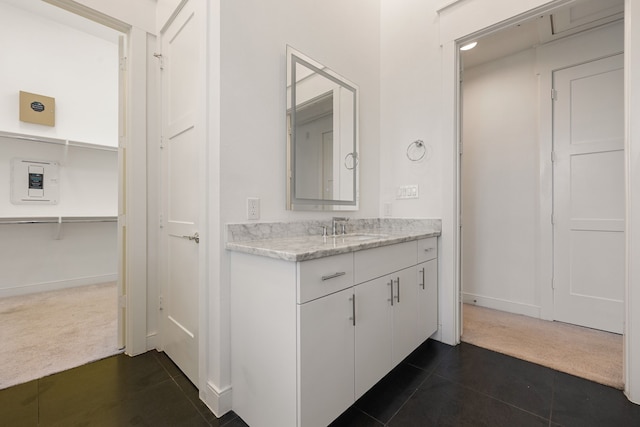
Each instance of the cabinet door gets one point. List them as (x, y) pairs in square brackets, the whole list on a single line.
[(406, 333), (325, 358), (428, 298), (373, 332)]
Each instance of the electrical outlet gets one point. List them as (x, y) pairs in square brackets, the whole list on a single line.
[(253, 208)]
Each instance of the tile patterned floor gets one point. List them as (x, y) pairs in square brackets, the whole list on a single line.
[(437, 385)]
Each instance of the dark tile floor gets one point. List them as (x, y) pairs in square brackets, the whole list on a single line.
[(437, 385)]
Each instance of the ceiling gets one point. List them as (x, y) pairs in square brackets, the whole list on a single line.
[(577, 16), (573, 18)]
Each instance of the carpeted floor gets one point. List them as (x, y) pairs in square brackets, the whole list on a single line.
[(583, 352), (49, 332)]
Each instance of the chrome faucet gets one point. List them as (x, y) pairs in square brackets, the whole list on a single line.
[(334, 223)]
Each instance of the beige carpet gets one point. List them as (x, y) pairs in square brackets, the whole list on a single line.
[(583, 352), (49, 332)]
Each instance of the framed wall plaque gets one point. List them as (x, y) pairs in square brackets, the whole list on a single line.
[(38, 109)]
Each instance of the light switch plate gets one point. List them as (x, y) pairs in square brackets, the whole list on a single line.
[(407, 192)]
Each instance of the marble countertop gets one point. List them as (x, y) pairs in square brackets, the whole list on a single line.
[(286, 245)]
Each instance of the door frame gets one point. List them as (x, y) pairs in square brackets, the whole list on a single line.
[(453, 36), (134, 115)]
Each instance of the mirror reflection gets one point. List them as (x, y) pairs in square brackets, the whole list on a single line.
[(322, 117)]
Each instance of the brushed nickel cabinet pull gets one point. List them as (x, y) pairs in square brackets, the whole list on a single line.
[(398, 296), (391, 286), (422, 284), (353, 306), (334, 275)]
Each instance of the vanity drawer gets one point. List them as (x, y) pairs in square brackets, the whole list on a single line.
[(377, 262), (427, 249), (323, 276)]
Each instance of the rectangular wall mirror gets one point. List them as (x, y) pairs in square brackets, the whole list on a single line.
[(322, 137)]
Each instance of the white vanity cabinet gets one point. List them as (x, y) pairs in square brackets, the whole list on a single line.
[(387, 311), (310, 337), (325, 348), (427, 287), (385, 332)]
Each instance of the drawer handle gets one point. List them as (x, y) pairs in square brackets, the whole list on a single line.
[(422, 284), (429, 249), (353, 308), (334, 275)]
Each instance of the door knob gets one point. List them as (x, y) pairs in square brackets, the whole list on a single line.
[(195, 237)]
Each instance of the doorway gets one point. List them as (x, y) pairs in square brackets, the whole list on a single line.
[(507, 200), (70, 244)]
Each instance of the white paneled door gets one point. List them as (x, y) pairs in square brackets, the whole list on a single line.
[(589, 194), (181, 176)]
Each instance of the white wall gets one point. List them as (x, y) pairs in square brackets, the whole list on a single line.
[(500, 184), (251, 130), (409, 106), (32, 259), (253, 117), (78, 69), (81, 71)]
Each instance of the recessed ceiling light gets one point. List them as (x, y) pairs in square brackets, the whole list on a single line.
[(469, 46)]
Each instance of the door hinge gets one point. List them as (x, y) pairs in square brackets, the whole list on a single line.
[(161, 220), (160, 303), (553, 283), (161, 142), (160, 60), (123, 63), (554, 94), (122, 301), (553, 219), (554, 158)]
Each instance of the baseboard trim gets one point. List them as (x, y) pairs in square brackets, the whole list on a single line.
[(57, 285), (219, 401), (152, 341), (502, 305)]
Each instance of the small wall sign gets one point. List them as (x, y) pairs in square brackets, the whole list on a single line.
[(38, 109)]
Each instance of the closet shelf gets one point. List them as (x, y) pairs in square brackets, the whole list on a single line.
[(57, 219), (57, 141)]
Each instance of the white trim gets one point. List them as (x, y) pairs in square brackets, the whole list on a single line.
[(449, 251), (445, 4), (632, 163), (136, 193), (502, 305), (153, 340), (57, 285), (86, 12), (218, 400)]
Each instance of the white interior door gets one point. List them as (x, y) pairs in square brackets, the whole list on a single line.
[(589, 194), (182, 146)]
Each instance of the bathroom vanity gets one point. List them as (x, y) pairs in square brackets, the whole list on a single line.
[(317, 321)]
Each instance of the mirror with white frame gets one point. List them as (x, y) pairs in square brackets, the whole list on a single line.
[(322, 137)]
